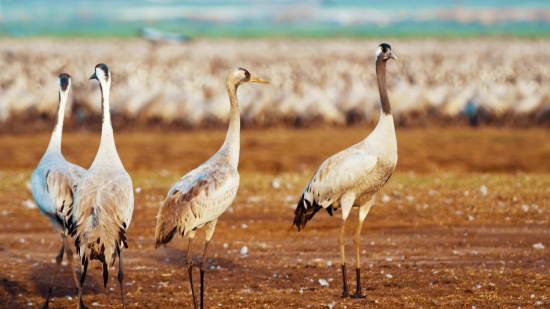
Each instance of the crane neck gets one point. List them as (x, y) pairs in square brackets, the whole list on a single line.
[(384, 132), (55, 141), (381, 76), (231, 146), (107, 150)]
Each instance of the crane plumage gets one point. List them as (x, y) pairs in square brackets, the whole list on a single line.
[(206, 193), (53, 183), (201, 196), (351, 177), (104, 200)]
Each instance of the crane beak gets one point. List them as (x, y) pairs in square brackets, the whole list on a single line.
[(255, 79), (93, 76), (392, 55)]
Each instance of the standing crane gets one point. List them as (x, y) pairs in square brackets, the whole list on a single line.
[(104, 200), (53, 182), (201, 196), (351, 177)]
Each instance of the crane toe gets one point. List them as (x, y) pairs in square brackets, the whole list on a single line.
[(358, 294)]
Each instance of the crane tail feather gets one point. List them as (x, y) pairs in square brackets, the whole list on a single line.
[(305, 210), (167, 219)]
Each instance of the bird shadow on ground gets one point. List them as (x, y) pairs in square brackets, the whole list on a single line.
[(11, 287), (39, 279), (64, 284), (235, 266), (177, 257)]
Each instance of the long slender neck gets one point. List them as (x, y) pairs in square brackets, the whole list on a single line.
[(232, 142), (55, 141), (107, 147), (381, 75)]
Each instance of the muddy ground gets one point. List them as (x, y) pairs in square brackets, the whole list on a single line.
[(462, 223)]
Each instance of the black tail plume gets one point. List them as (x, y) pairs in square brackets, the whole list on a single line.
[(167, 238), (122, 236), (304, 212)]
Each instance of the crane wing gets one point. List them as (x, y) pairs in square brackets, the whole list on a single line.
[(53, 190), (104, 202), (337, 175), (114, 198), (60, 183), (196, 199)]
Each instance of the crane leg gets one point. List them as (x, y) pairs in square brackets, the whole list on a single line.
[(80, 304), (363, 211), (343, 254), (121, 276), (203, 266), (190, 267), (70, 259), (209, 232), (58, 260), (346, 202)]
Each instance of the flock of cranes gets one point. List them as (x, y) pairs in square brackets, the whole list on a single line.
[(314, 81), (96, 205)]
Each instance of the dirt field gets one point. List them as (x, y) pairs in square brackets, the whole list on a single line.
[(462, 223)]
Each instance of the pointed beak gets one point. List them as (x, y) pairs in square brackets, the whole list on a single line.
[(93, 76), (392, 55), (255, 79)]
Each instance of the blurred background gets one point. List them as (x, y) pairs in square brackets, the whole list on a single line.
[(460, 62)]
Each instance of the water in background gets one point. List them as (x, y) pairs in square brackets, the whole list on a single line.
[(275, 18)]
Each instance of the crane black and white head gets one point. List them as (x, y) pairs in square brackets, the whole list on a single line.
[(241, 76), (102, 74), (64, 83), (383, 53)]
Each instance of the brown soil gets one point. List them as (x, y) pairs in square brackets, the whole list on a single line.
[(436, 149), (454, 227)]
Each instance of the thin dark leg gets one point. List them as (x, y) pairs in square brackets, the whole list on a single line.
[(121, 277), (70, 259), (105, 274), (82, 278), (345, 292), (190, 270), (363, 211), (358, 293), (203, 267), (58, 260)]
